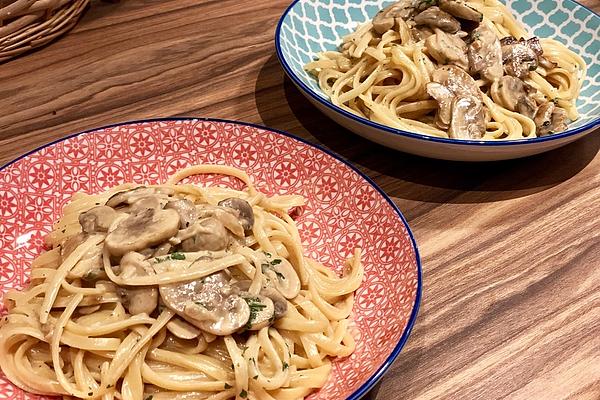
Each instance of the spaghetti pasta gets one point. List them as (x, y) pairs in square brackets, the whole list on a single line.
[(178, 291), (453, 69)]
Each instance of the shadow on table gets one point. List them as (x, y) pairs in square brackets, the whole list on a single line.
[(472, 182)]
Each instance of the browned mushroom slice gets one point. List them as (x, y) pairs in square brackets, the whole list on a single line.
[(559, 120), (468, 118), (456, 79), (206, 234), (421, 33), (186, 210), (243, 210), (550, 119), (405, 9), (543, 118), (518, 58), (444, 97), (436, 18), (535, 45), (461, 10), (485, 54), (447, 49), (514, 94), (142, 230), (527, 106), (97, 219)]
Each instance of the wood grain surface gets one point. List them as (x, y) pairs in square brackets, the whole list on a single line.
[(510, 250)]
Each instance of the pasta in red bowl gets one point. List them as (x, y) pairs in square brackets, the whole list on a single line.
[(199, 259)]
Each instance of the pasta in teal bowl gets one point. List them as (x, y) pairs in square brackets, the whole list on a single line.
[(473, 81)]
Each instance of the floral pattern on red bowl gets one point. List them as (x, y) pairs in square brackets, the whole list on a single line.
[(344, 210)]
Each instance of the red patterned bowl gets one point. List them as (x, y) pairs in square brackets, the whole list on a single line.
[(344, 210)]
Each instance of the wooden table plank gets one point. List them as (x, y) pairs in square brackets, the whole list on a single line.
[(510, 250)]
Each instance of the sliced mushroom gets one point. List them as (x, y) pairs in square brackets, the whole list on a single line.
[(279, 302), (513, 94), (134, 264), (142, 203), (262, 311), (186, 210), (210, 304), (97, 219), (243, 209), (444, 97), (456, 80), (405, 9), (527, 106), (282, 276), (550, 119), (485, 54), (142, 230), (543, 117), (559, 120), (421, 33), (518, 58), (468, 118), (182, 329), (232, 314), (225, 215), (461, 10), (447, 49), (130, 196), (139, 300), (436, 18), (456, 93), (206, 234)]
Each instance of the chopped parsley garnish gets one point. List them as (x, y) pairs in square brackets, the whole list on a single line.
[(555, 100), (271, 266), (255, 306), (174, 256), (228, 386), (243, 394), (285, 366)]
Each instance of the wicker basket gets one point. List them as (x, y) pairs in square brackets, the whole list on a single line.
[(26, 24)]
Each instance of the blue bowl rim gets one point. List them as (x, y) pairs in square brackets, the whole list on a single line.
[(361, 391), (399, 132)]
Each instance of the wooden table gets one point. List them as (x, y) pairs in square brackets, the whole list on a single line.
[(510, 250)]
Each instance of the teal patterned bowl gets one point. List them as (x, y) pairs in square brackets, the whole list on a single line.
[(310, 26)]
